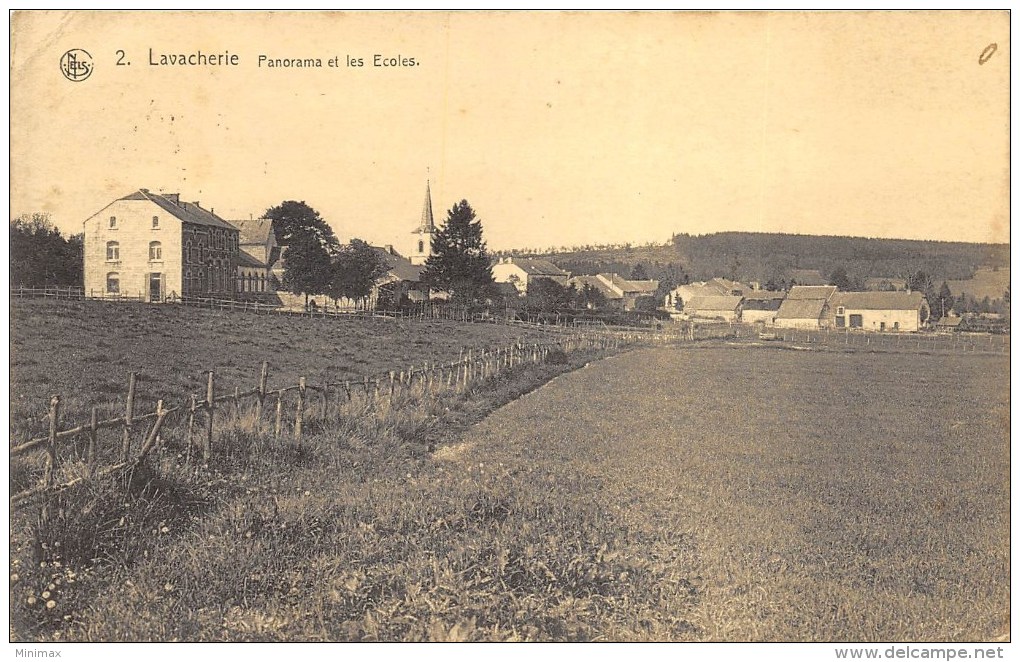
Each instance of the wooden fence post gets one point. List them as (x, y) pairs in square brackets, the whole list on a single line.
[(237, 403), (128, 415), (278, 423), (90, 454), (299, 416), (192, 407), (51, 453), (392, 380), (210, 407), (261, 402)]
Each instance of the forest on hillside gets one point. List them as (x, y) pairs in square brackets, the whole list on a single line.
[(764, 257)]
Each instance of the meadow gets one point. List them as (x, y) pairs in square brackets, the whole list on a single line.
[(709, 493)]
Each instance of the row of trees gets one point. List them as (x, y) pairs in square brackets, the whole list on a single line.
[(317, 264), (41, 256)]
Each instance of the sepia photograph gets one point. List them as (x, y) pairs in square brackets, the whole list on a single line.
[(689, 328)]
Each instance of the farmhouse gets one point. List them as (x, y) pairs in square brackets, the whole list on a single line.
[(629, 290), (761, 307), (805, 307), (725, 308), (154, 246), (678, 296), (614, 299), (879, 311), (520, 271)]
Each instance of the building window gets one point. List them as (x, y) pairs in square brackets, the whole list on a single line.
[(421, 246), (187, 251), (113, 283), (113, 222), (839, 310), (112, 251), (155, 250), (155, 222)]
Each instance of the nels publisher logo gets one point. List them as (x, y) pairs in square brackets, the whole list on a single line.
[(76, 65)]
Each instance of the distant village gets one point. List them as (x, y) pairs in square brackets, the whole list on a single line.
[(158, 247)]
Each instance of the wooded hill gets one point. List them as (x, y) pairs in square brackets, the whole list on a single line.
[(762, 257)]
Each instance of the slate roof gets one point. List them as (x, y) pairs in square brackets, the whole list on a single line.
[(538, 267), (822, 292), (254, 230), (580, 281), (879, 300), (245, 260), (726, 303), (399, 266), (189, 212), (632, 286), (799, 309)]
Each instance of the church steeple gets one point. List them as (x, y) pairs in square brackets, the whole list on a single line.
[(427, 224), (422, 246)]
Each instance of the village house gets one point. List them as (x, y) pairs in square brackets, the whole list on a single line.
[(724, 308), (614, 299), (156, 247), (678, 296), (630, 291), (521, 271), (879, 311), (805, 307), (761, 307)]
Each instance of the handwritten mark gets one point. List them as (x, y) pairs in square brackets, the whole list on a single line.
[(988, 53)]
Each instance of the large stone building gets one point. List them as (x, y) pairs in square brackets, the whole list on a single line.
[(156, 247)]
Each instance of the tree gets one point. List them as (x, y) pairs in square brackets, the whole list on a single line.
[(547, 295), (310, 244), (308, 267), (356, 267), (40, 256), (639, 272), (943, 303), (292, 219), (459, 262), (840, 279), (591, 297)]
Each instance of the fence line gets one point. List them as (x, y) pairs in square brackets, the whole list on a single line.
[(419, 382)]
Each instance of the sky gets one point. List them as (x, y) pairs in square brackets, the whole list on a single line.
[(559, 128)]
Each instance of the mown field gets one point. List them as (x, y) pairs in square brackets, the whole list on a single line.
[(701, 493), (83, 351)]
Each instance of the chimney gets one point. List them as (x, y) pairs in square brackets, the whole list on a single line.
[(174, 198), (389, 249)]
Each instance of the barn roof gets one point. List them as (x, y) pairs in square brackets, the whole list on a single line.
[(254, 230), (727, 303), (799, 309), (879, 300), (822, 292), (189, 212), (632, 286), (580, 281)]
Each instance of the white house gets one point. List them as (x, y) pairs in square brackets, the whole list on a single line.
[(155, 246), (520, 271), (879, 311)]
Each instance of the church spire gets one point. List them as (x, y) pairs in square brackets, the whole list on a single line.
[(427, 223)]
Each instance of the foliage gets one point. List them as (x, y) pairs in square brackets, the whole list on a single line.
[(41, 256), (310, 244), (639, 272), (459, 262), (547, 295), (591, 298), (356, 267)]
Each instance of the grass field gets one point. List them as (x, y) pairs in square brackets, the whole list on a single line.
[(712, 493), (85, 350)]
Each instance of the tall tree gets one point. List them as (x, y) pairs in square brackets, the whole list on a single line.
[(639, 272), (356, 267), (309, 245), (840, 279), (591, 297), (41, 256), (547, 295), (459, 262)]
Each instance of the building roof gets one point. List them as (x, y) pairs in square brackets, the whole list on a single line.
[(822, 292), (245, 260), (726, 303), (950, 322), (427, 223), (189, 212), (254, 230), (764, 295), (879, 300), (399, 267), (536, 267), (580, 281), (632, 286), (799, 309), (807, 277), (772, 304)]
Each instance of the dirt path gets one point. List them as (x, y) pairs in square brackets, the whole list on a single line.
[(793, 496)]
